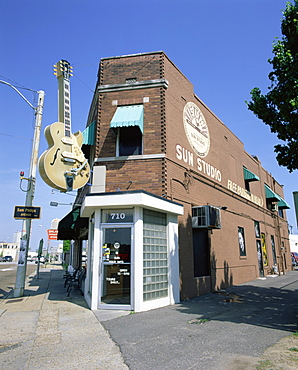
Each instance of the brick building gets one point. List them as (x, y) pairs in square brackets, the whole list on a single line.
[(155, 139), (9, 249)]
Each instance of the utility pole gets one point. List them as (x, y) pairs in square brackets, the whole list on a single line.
[(24, 245), (22, 265)]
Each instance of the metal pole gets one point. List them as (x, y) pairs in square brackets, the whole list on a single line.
[(38, 257), (24, 247)]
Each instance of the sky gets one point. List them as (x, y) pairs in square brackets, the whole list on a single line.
[(221, 46)]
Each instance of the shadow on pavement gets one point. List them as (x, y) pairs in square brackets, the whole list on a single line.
[(52, 282), (268, 307), (272, 304)]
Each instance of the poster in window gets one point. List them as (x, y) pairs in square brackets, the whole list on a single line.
[(260, 262), (241, 241), (273, 250), (264, 249), (257, 229)]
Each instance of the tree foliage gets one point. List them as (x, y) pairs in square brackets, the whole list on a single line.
[(279, 107), (66, 245)]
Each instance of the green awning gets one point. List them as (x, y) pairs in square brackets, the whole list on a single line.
[(271, 195), (129, 115), (249, 176), (73, 225), (89, 134), (283, 204)]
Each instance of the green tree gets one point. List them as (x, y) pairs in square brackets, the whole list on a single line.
[(66, 245), (279, 107)]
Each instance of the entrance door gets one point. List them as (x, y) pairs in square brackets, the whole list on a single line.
[(116, 273), (201, 254)]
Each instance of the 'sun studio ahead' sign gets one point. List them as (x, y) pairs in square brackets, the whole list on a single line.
[(23, 212)]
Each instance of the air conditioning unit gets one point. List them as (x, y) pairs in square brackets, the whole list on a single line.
[(206, 217)]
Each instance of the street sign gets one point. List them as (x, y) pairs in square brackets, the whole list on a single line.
[(52, 234), (40, 248), (24, 212)]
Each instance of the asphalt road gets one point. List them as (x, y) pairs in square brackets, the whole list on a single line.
[(214, 331), (8, 271)]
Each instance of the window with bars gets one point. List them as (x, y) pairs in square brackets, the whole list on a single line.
[(155, 255)]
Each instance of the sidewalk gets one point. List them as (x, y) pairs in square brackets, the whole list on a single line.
[(244, 327), (45, 329)]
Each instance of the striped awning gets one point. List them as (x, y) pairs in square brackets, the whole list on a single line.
[(281, 203), (89, 134), (249, 176), (127, 116), (270, 194)]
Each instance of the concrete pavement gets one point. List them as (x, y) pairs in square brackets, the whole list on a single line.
[(226, 330), (45, 329)]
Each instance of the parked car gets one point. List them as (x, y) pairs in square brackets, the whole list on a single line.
[(295, 256), (42, 259), (7, 259)]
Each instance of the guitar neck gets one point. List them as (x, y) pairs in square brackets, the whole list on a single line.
[(64, 115)]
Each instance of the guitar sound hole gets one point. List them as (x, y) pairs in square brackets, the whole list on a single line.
[(55, 157)]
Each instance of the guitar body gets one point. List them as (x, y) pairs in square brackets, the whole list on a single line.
[(63, 163)]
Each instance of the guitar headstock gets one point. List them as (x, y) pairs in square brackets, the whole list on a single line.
[(63, 68)]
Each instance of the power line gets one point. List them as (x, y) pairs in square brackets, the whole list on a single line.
[(19, 137), (19, 86), (75, 75), (83, 83)]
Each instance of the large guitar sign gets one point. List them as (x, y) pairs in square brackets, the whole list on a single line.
[(63, 165)]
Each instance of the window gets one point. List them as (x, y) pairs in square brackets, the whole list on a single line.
[(271, 198), (129, 141), (241, 240), (275, 202), (264, 250), (247, 187), (257, 229), (130, 80), (155, 260), (273, 250), (259, 247), (248, 177), (128, 120)]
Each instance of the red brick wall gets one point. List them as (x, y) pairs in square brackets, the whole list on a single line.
[(147, 175), (143, 67), (183, 176)]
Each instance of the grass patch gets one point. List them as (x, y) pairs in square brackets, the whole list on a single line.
[(264, 365), (198, 321), (293, 349)]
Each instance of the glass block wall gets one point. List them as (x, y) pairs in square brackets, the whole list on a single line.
[(155, 256)]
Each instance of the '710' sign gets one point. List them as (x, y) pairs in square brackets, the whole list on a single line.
[(23, 212)]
